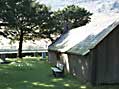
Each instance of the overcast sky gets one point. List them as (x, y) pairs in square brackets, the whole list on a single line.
[(55, 4), (105, 6)]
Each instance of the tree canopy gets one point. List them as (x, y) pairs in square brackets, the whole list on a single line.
[(27, 19), (65, 19), (24, 17)]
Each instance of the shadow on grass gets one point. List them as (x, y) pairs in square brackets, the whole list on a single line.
[(36, 74)]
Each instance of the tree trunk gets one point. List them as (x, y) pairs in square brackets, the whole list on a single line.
[(20, 44)]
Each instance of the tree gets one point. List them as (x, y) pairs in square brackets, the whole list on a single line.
[(24, 18), (75, 16), (68, 18), (1, 29)]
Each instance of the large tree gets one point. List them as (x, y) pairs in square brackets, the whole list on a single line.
[(65, 19), (27, 19), (24, 18)]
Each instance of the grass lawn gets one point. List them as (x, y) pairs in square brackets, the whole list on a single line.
[(31, 73)]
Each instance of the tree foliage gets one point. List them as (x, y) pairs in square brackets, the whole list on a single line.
[(68, 18), (27, 19), (24, 17)]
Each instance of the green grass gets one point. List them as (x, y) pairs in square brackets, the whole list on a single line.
[(31, 73)]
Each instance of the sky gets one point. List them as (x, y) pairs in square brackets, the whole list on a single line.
[(93, 6), (55, 4)]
